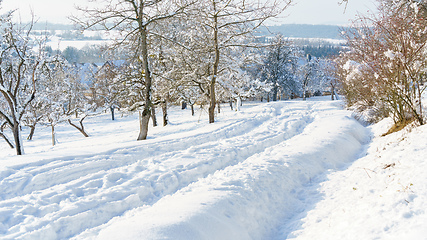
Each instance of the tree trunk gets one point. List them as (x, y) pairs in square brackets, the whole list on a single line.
[(304, 89), (420, 105), (332, 92), (32, 130), (274, 93), (238, 103), (53, 134), (165, 112), (145, 116), (219, 107), (231, 104), (112, 112), (17, 136), (143, 125), (81, 128), (212, 104), (192, 109), (153, 116), (215, 70)]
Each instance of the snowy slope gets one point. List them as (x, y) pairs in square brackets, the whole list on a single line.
[(262, 173), (382, 195)]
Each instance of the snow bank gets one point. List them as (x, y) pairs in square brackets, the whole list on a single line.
[(382, 195)]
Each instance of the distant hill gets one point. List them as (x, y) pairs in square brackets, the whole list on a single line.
[(52, 26), (303, 31), (288, 30)]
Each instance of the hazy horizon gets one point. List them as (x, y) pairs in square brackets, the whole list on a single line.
[(313, 12)]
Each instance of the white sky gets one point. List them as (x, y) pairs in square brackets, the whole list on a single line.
[(304, 11), (54, 11), (326, 11)]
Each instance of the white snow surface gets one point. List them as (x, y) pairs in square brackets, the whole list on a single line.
[(278, 170)]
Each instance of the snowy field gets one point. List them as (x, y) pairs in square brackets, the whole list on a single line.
[(57, 43), (278, 170)]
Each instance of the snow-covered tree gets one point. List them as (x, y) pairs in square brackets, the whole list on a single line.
[(307, 74), (167, 74), (106, 87), (20, 68), (34, 114), (222, 25), (327, 79), (3, 126), (77, 105), (71, 54), (242, 81), (54, 100), (133, 21), (279, 67), (63, 96), (181, 69)]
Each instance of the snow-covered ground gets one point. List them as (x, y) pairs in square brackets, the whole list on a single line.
[(278, 170), (382, 195)]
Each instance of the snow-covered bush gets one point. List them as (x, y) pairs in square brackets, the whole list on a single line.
[(385, 70)]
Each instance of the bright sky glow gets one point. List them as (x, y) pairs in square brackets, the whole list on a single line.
[(303, 11), (54, 11), (327, 11)]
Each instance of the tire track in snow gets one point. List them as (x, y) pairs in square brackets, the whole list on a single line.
[(90, 191), (13, 180), (250, 199)]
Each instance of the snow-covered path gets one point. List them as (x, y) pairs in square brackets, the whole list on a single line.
[(236, 179)]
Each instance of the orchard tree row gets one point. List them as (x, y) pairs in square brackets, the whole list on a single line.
[(166, 52)]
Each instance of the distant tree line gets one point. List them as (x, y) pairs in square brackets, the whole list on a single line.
[(87, 54), (323, 51), (303, 31)]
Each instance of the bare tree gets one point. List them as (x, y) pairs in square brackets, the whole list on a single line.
[(308, 73), (20, 68), (106, 86), (223, 25), (33, 116), (133, 19), (329, 75)]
